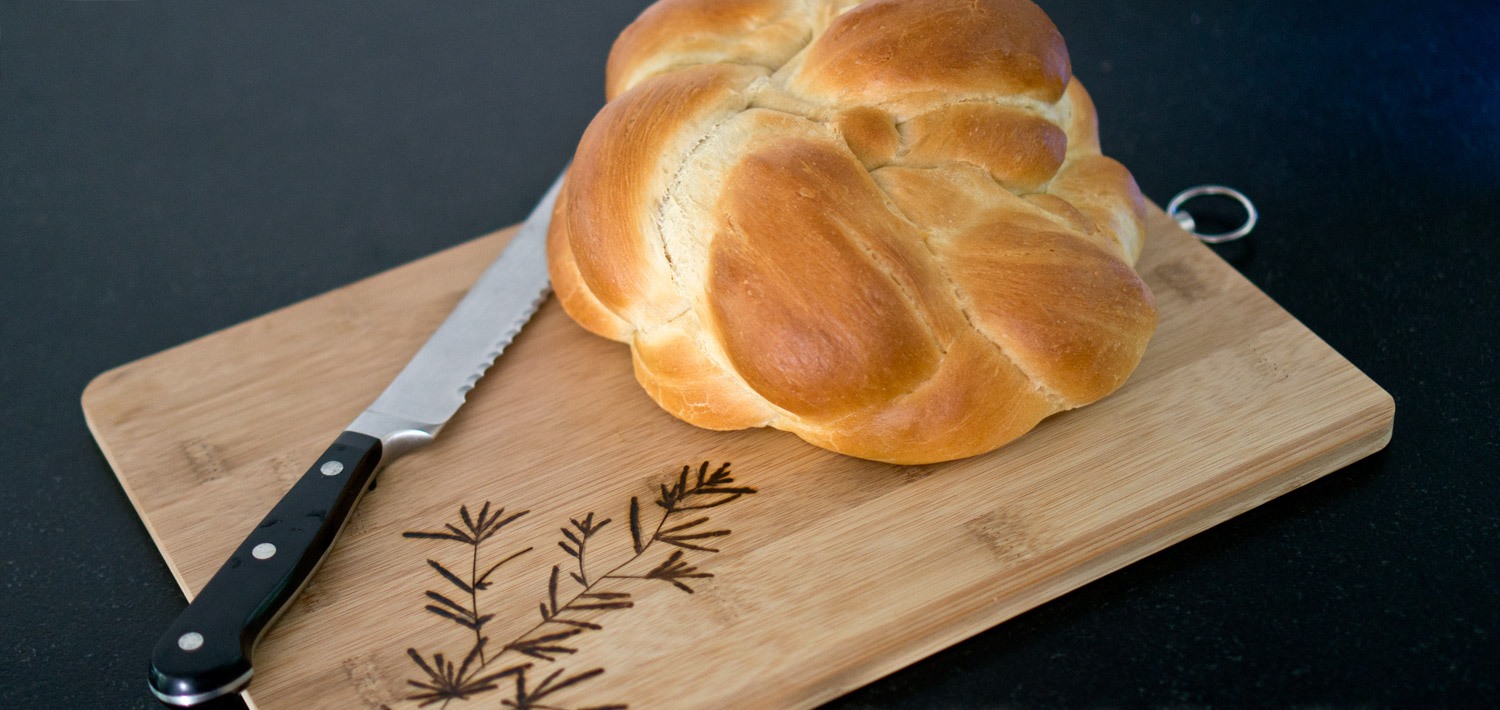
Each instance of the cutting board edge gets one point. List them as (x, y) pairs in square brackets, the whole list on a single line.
[(96, 385), (135, 502), (1380, 426), (103, 379)]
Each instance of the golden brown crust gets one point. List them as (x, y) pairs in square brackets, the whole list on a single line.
[(567, 283), (849, 340), (1085, 336), (884, 49), (1020, 150), (870, 133), (679, 375), (883, 226), (1104, 191), (975, 402), (672, 34), (632, 147)]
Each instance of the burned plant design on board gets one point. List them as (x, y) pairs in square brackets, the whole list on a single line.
[(446, 681), (578, 596)]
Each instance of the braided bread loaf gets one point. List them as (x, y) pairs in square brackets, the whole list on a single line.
[(884, 226)]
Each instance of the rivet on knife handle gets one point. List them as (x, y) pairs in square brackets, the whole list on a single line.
[(206, 652)]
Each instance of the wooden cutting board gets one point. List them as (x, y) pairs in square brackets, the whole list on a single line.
[(805, 575)]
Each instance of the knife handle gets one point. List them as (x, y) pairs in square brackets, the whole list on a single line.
[(206, 652)]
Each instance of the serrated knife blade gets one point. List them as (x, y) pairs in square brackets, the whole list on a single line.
[(207, 650), (435, 382)]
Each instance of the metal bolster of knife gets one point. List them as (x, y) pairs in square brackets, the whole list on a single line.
[(397, 435)]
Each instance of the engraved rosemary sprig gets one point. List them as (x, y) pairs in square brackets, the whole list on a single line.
[(553, 636), (445, 681), (707, 489), (530, 698)]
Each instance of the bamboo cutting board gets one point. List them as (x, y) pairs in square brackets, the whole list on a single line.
[(742, 569)]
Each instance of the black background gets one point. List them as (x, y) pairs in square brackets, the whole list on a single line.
[(169, 170)]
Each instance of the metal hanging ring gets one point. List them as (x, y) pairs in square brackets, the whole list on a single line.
[(1183, 218)]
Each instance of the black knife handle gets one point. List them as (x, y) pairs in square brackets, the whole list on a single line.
[(206, 651)]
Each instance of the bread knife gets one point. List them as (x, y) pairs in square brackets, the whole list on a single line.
[(207, 651)]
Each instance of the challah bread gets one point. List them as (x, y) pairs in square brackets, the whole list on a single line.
[(884, 226)]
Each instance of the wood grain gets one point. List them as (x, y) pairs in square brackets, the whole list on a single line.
[(837, 570)]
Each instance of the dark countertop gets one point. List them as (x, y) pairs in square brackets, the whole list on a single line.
[(166, 171)]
